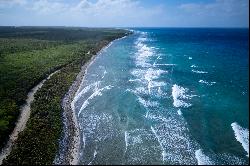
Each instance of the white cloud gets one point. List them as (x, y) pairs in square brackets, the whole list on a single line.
[(48, 7), (98, 13), (190, 6), (11, 3), (124, 13)]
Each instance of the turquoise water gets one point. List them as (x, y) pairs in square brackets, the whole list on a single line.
[(167, 96)]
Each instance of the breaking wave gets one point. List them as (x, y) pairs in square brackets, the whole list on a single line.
[(199, 72), (179, 95), (202, 159), (207, 83), (97, 92), (241, 135)]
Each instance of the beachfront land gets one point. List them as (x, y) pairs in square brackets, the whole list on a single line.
[(27, 56)]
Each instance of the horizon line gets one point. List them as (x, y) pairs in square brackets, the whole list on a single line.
[(122, 26)]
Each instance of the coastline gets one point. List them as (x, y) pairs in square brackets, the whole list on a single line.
[(22, 119), (68, 152)]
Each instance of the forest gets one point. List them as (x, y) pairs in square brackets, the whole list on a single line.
[(27, 56)]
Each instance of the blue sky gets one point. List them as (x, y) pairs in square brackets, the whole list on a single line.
[(125, 13)]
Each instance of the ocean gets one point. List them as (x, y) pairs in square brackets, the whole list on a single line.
[(167, 96)]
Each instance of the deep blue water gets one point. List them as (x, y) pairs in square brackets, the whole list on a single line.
[(167, 96)]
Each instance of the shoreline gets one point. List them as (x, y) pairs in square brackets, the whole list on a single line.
[(68, 153), (23, 118)]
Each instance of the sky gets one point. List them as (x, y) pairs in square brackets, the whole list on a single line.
[(125, 13)]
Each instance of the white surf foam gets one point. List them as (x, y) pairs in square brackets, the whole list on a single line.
[(159, 141), (159, 57), (178, 94), (85, 90), (171, 132), (207, 83), (138, 91), (97, 126), (104, 73), (136, 140), (199, 72), (157, 84), (142, 39), (211, 158), (144, 50), (141, 145), (165, 64), (144, 91), (143, 54), (160, 92), (153, 74), (147, 76), (241, 135), (141, 90), (179, 112), (95, 153), (126, 140), (190, 58), (148, 103), (156, 60), (82, 92), (202, 159), (193, 66), (157, 118), (139, 73), (229, 159), (84, 140), (97, 92), (134, 80)]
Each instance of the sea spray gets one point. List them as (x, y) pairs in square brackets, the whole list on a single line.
[(241, 135)]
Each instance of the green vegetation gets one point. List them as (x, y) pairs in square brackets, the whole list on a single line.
[(28, 55), (44, 126)]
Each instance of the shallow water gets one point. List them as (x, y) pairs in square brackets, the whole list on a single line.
[(167, 96)]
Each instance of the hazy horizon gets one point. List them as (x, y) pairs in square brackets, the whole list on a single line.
[(126, 13), (58, 26)]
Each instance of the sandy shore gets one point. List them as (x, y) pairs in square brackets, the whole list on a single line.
[(22, 120), (69, 151)]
